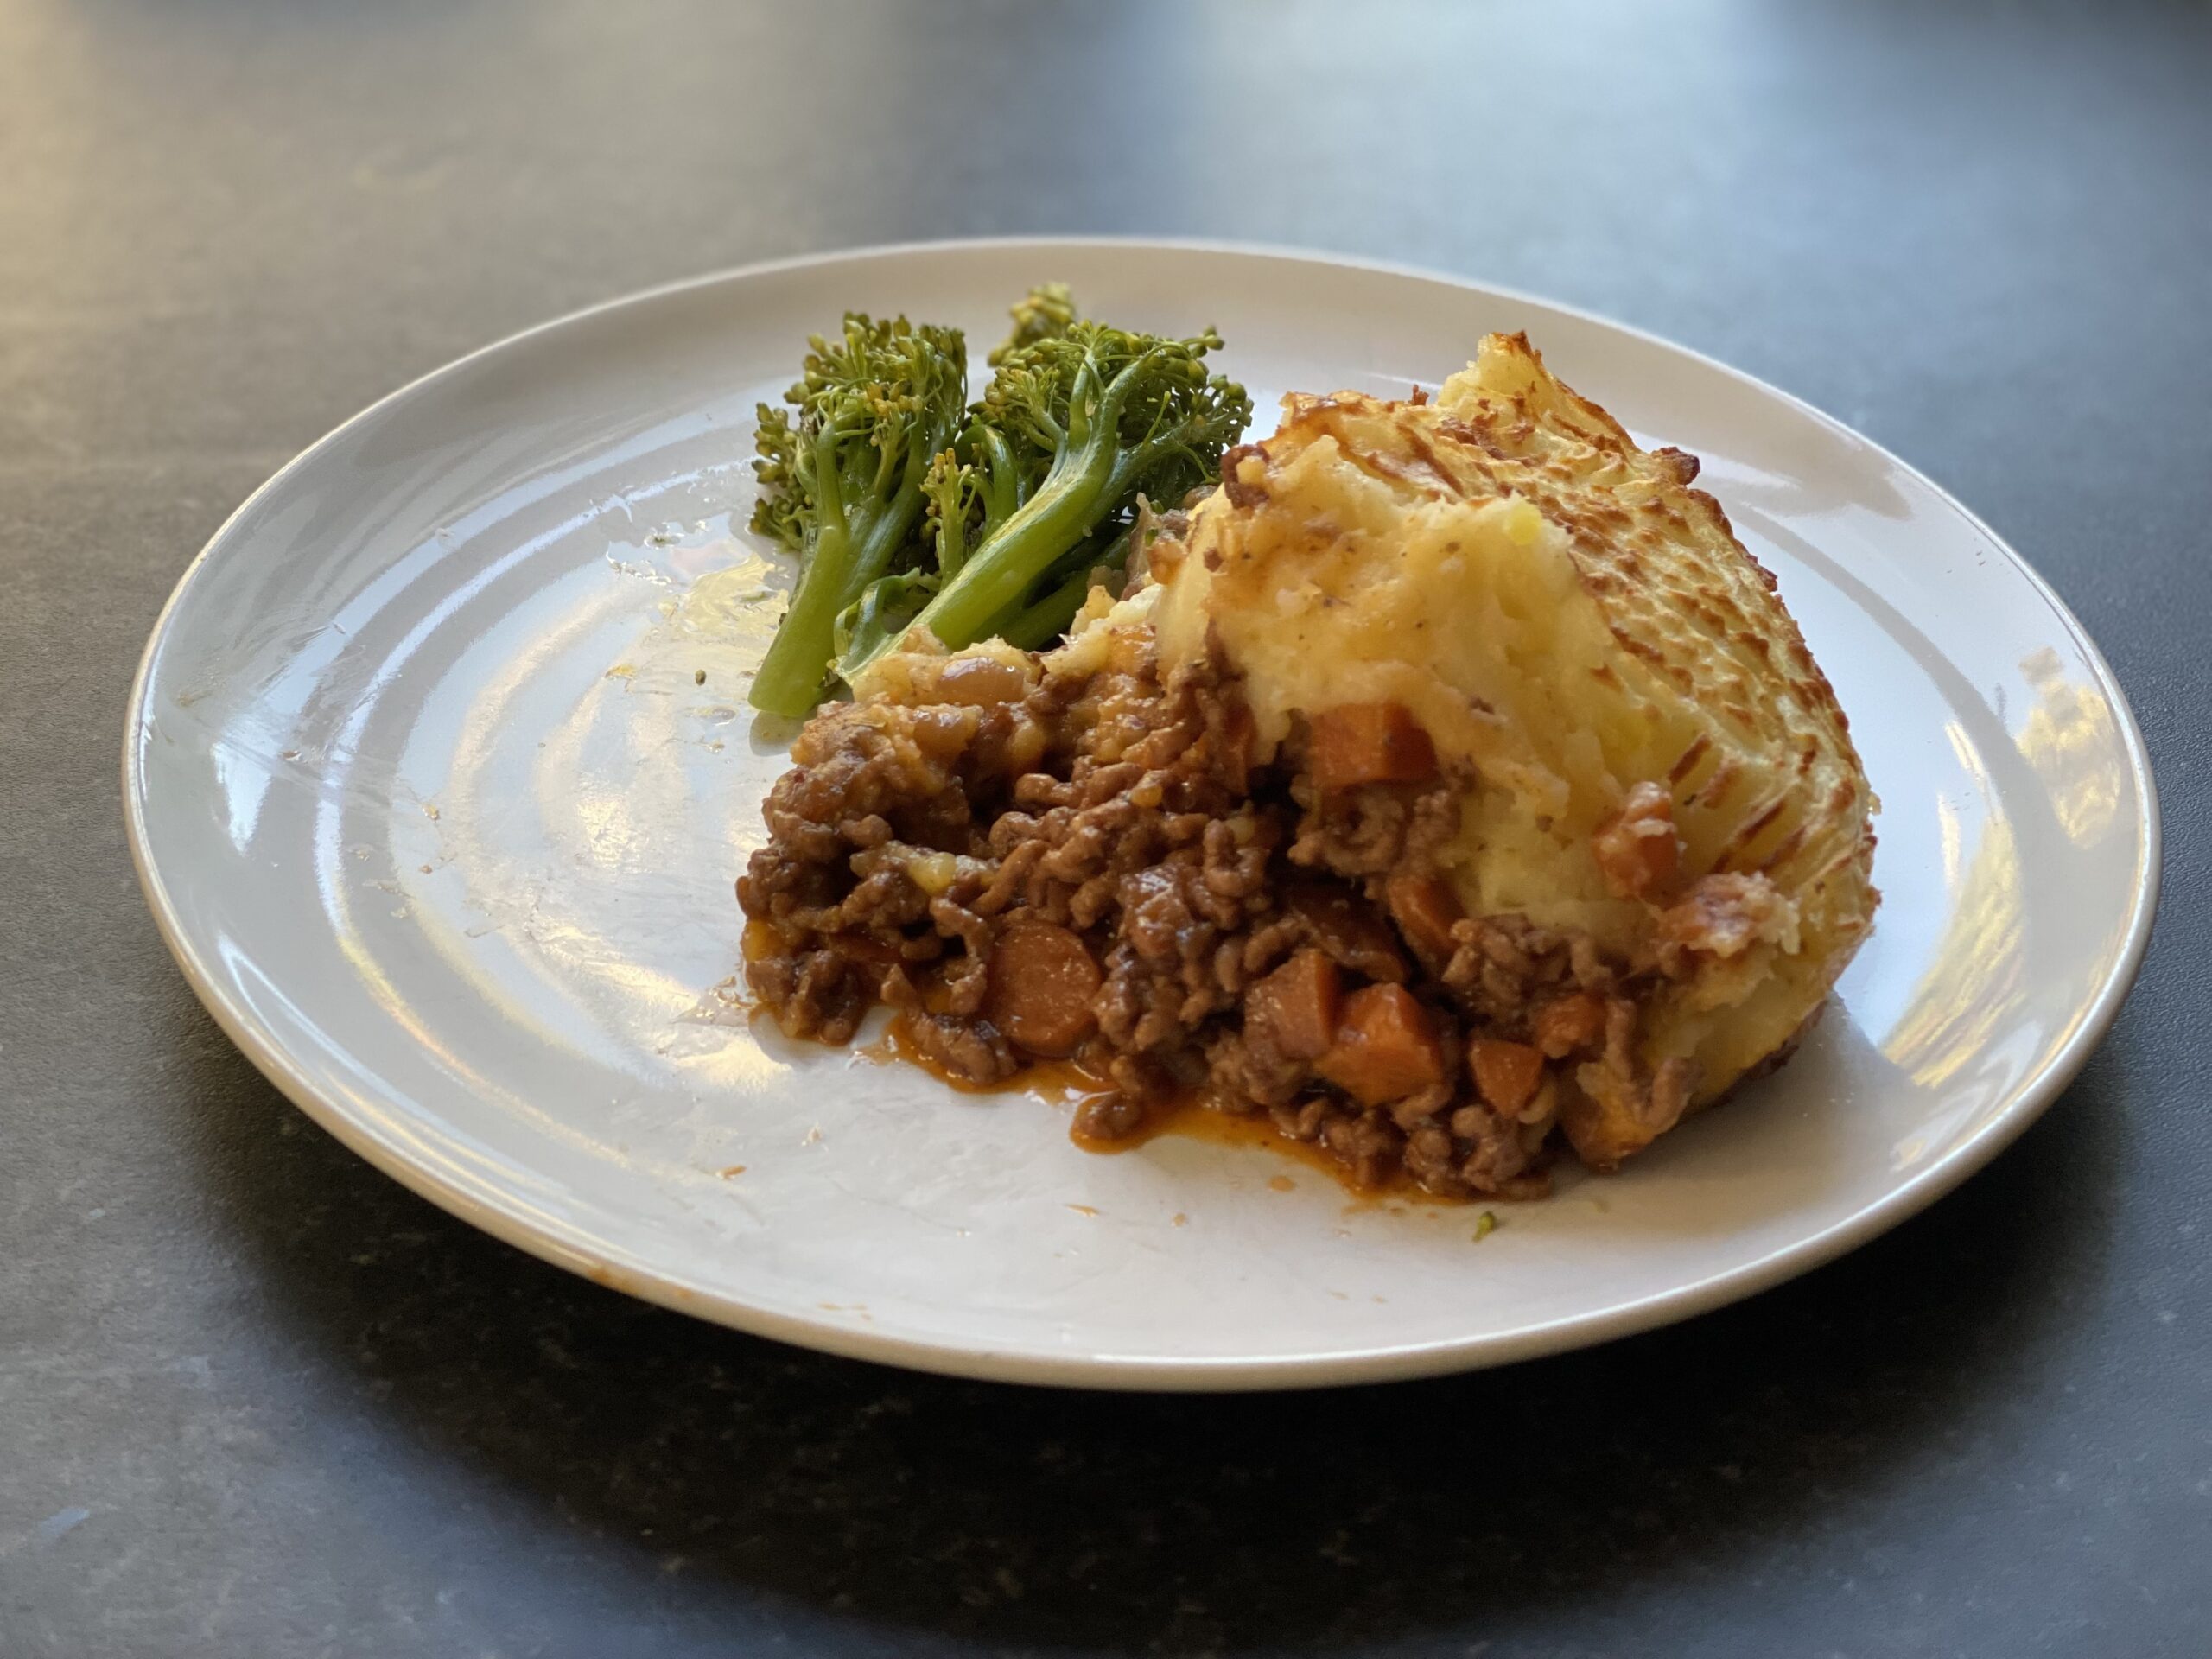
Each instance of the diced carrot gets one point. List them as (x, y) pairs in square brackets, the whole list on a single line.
[(1569, 1022), (1424, 908), (1359, 743), (1610, 1116), (1297, 1007), (1506, 1074), (1638, 850), (1042, 979), (1386, 1047)]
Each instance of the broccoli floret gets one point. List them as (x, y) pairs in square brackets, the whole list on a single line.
[(1074, 426), (842, 482), (1046, 312)]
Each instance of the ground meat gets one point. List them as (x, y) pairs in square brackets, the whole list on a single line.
[(1111, 1116), (1373, 830), (968, 1050), (1504, 967), (1124, 824)]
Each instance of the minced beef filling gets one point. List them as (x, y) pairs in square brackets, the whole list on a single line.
[(1090, 868)]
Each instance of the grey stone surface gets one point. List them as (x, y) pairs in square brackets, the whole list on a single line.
[(255, 1399)]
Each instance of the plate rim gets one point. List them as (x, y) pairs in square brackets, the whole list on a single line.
[(1161, 1373)]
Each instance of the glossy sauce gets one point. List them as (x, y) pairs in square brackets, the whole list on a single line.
[(1069, 1083)]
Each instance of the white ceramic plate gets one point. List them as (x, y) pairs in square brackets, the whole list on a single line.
[(438, 820)]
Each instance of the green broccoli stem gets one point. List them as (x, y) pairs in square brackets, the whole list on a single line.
[(1047, 620), (1073, 572), (851, 550), (998, 572), (1078, 492), (1002, 480)]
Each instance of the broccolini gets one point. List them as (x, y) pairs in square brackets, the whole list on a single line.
[(905, 509), (842, 485)]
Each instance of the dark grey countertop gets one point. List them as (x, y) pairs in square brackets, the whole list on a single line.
[(256, 1399)]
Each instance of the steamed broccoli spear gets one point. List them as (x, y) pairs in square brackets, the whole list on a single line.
[(965, 498), (968, 498), (1068, 584), (841, 483), (887, 607), (1073, 427)]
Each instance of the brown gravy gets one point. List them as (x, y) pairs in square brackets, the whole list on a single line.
[(1068, 1083)]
